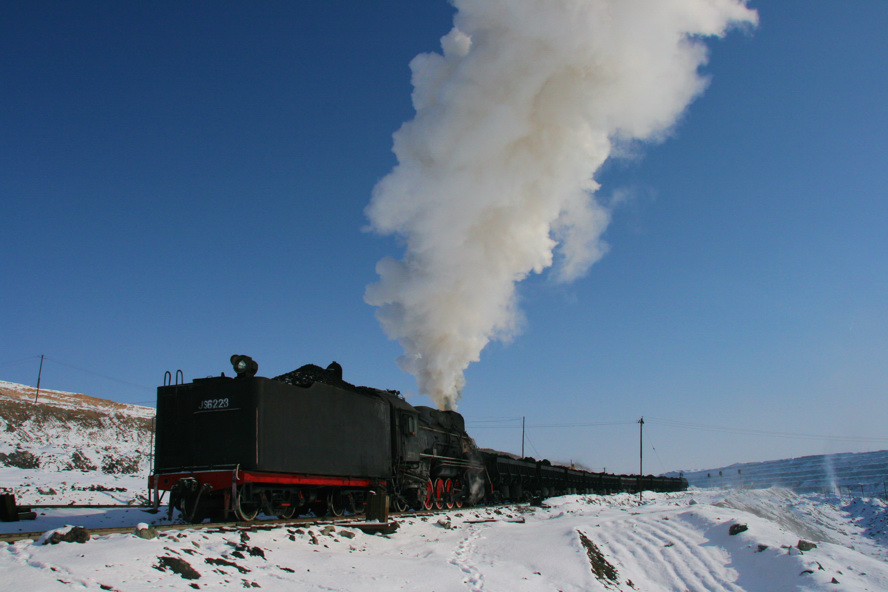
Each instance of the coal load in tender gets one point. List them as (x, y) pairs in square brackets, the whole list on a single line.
[(308, 374)]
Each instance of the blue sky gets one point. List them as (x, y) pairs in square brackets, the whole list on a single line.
[(182, 182)]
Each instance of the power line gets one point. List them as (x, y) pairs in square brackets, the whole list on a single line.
[(673, 424), (662, 466), (582, 425), (105, 376), (757, 432), (537, 452), (550, 425), (73, 367), (20, 360), (495, 420)]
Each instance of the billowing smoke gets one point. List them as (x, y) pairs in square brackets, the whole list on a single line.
[(495, 173)]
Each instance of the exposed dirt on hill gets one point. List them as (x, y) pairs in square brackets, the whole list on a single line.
[(71, 432), (59, 398), (15, 413)]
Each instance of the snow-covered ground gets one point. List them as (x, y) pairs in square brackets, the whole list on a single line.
[(73, 449), (671, 542)]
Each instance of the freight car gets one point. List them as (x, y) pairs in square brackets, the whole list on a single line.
[(308, 440)]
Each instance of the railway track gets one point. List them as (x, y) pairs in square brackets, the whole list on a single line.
[(12, 537), (91, 506), (355, 520)]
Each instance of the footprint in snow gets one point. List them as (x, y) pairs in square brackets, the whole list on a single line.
[(462, 558)]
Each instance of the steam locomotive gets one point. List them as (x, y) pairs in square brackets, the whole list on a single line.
[(308, 440)]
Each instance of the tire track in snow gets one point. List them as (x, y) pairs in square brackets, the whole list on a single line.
[(680, 557), (463, 559), (647, 555), (709, 567), (685, 564), (645, 551)]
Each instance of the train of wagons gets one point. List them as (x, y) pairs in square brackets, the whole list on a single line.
[(231, 447)]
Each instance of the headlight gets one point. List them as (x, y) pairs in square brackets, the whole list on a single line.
[(244, 366)]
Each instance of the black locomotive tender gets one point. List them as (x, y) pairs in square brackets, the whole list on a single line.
[(308, 440)]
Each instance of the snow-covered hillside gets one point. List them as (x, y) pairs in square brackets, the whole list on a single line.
[(858, 474), (65, 446)]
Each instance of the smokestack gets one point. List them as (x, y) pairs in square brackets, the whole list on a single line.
[(495, 173)]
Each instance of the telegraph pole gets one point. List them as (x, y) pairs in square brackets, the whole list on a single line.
[(640, 455), (39, 373), (522, 436)]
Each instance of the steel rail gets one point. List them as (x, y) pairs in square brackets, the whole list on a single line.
[(11, 537)]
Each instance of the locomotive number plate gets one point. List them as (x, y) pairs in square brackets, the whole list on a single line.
[(211, 404)]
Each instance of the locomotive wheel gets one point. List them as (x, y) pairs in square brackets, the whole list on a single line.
[(355, 503), (286, 512), (439, 493), (458, 495), (244, 510), (448, 494), (335, 503), (193, 509), (400, 502), (429, 499)]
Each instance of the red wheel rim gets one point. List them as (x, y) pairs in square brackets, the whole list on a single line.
[(428, 502), (439, 493), (459, 500), (448, 494)]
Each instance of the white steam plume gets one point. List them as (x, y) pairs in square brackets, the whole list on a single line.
[(495, 172)]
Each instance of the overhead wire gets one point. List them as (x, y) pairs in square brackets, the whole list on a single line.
[(20, 360), (527, 437), (657, 454), (759, 432), (494, 420), (676, 424), (78, 368), (98, 374), (550, 425), (671, 423)]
